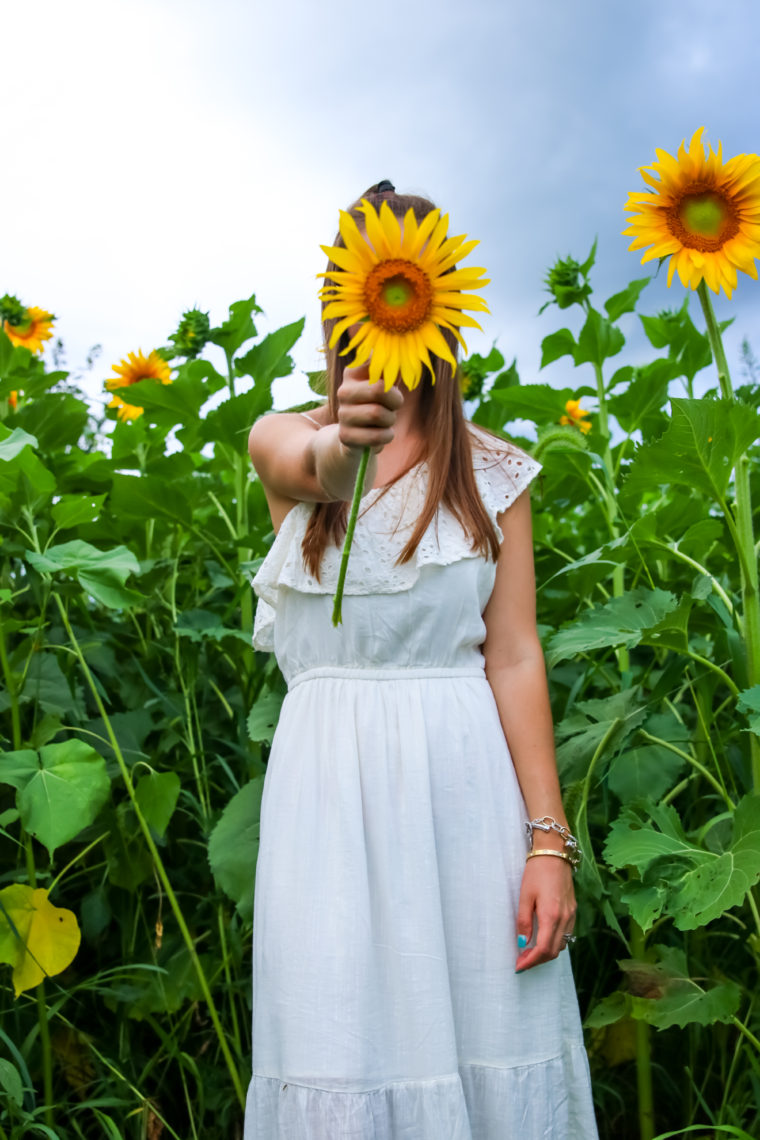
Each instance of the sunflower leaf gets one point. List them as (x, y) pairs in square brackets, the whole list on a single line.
[(644, 396), (625, 301), (556, 345), (101, 573), (539, 403), (234, 845), (269, 359), (749, 703), (621, 621), (262, 719), (598, 340), (699, 450), (238, 328)]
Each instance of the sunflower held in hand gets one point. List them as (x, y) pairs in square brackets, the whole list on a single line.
[(399, 284)]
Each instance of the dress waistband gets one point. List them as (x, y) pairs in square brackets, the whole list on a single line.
[(358, 673)]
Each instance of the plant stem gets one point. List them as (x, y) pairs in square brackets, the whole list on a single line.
[(618, 574), (10, 684), (47, 1054), (157, 861), (643, 1051), (719, 788), (337, 616), (240, 476), (744, 530)]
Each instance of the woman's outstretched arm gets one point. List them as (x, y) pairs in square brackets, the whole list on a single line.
[(299, 462), (517, 674)]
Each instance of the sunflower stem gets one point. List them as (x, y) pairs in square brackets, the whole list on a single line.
[(618, 574), (744, 529), (337, 615)]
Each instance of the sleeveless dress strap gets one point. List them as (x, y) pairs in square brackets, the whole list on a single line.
[(308, 417)]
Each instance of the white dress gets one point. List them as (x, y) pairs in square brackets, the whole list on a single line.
[(385, 1000)]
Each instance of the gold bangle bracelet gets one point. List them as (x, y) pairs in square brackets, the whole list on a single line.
[(549, 851)]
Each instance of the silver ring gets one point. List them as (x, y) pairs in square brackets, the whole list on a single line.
[(568, 938)]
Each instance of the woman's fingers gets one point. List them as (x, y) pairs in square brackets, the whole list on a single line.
[(366, 413), (550, 903)]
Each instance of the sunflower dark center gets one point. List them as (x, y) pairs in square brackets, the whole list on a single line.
[(703, 219), (398, 295)]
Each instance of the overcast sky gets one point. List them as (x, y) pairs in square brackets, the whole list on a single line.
[(161, 154)]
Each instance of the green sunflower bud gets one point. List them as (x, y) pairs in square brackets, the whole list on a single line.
[(192, 333), (567, 283), (12, 311)]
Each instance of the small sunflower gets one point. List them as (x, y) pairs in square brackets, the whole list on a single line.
[(400, 285), (32, 330), (701, 212), (574, 414), (136, 367)]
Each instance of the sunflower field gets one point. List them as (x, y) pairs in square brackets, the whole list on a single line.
[(135, 718)]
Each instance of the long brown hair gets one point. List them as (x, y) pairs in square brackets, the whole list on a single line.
[(447, 444)]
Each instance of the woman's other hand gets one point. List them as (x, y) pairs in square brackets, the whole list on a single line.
[(546, 896)]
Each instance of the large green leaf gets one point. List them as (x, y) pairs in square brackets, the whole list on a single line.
[(633, 842), (708, 891), (557, 344), (598, 340), (625, 301), (231, 422), (644, 396), (645, 901), (146, 497), (269, 359), (47, 686), (539, 403), (262, 719), (685, 1003), (128, 859), (101, 573), (61, 789), (749, 703), (20, 468), (589, 722), (649, 770), (238, 328), (234, 845), (57, 421), (621, 621), (699, 449), (74, 510), (203, 625), (157, 794), (12, 443), (179, 402), (702, 884)]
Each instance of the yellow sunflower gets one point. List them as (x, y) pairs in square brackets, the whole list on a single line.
[(400, 285), (701, 212), (33, 330), (136, 367), (574, 415)]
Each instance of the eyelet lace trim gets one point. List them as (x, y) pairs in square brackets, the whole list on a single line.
[(383, 528)]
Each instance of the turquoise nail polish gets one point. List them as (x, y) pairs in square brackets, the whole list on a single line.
[(522, 941)]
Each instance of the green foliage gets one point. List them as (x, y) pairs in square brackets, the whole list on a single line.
[(136, 720)]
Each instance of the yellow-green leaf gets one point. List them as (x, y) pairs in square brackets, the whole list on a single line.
[(36, 938)]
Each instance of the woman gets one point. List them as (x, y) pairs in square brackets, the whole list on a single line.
[(409, 981)]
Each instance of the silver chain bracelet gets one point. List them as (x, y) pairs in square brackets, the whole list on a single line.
[(549, 823)]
